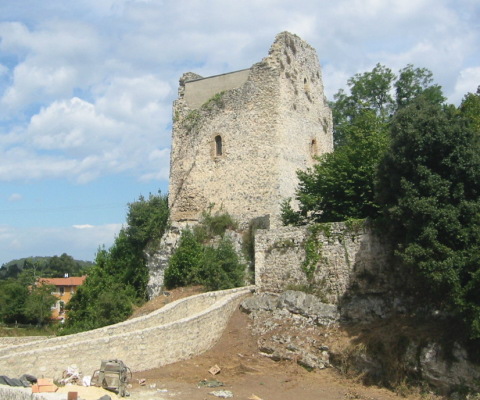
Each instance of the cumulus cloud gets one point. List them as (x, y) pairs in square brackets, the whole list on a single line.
[(121, 131), (55, 59), (83, 99), (85, 226)]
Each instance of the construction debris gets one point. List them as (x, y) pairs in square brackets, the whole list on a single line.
[(224, 394), (214, 370), (211, 384), (44, 385), (71, 375), (24, 380)]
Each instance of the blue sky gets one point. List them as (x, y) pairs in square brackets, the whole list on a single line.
[(86, 91)]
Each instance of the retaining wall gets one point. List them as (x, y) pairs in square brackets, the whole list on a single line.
[(178, 331), (348, 257)]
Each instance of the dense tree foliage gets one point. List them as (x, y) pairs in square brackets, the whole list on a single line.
[(45, 267), (12, 301), (470, 109), (372, 92), (39, 302), (120, 276), (23, 301), (429, 191), (413, 163), (196, 261), (341, 185)]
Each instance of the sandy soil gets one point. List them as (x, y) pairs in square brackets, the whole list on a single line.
[(244, 372)]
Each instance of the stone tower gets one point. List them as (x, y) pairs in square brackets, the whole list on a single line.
[(239, 138)]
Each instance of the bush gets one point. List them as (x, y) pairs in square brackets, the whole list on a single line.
[(185, 264), (119, 278), (222, 268), (196, 262)]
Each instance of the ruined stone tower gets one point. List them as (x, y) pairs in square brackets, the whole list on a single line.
[(239, 138)]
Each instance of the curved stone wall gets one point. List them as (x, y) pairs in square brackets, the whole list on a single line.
[(178, 331)]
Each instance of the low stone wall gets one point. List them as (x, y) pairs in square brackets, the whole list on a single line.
[(7, 342), (176, 332), (15, 393), (351, 257)]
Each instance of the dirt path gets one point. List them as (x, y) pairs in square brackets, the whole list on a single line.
[(246, 374)]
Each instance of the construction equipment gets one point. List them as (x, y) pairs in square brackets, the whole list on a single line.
[(113, 375)]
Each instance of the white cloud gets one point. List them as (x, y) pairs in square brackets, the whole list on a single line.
[(85, 226), (87, 98), (55, 59), (125, 129), (467, 82), (14, 197)]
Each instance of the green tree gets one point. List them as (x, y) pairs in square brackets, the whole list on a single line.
[(12, 301), (222, 267), (429, 188), (120, 275), (470, 109), (341, 185), (413, 82), (39, 302), (369, 91), (372, 91)]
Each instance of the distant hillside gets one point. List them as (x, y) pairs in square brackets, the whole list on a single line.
[(48, 267)]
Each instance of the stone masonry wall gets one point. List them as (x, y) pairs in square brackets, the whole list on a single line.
[(14, 341), (270, 126), (176, 332), (352, 260), (200, 90)]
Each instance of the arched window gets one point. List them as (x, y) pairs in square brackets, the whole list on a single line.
[(313, 148), (218, 146)]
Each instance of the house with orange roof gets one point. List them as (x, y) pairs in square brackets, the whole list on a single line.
[(65, 288)]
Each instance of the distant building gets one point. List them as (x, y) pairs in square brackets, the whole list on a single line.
[(65, 288)]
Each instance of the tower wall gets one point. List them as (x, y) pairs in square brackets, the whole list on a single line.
[(238, 142)]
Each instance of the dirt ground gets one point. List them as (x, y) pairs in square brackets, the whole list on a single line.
[(244, 372)]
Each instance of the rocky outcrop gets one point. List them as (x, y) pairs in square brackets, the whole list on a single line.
[(446, 372), (287, 325), (298, 327)]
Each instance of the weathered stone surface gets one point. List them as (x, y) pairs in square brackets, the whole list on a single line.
[(272, 120), (308, 306), (157, 261), (352, 261), (294, 302), (365, 308), (262, 302), (442, 371), (288, 326)]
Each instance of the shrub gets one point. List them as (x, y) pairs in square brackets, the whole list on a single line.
[(197, 262)]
